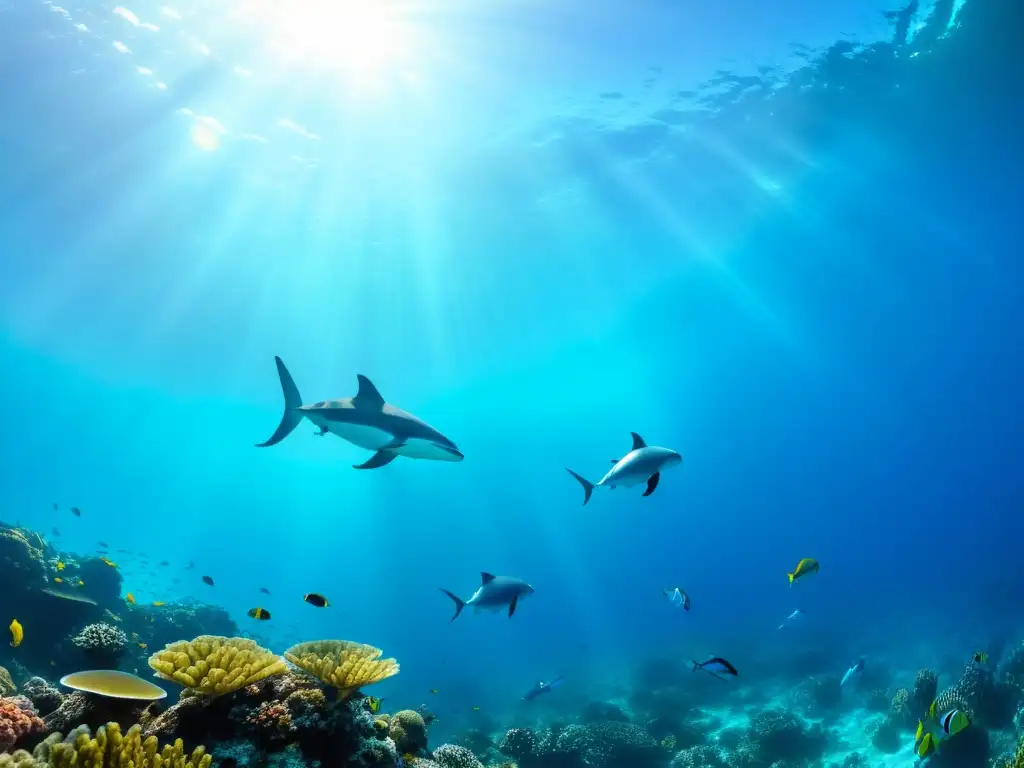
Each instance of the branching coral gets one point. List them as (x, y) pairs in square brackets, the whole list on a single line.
[(112, 749), (101, 639), (215, 665), (17, 719), (343, 664)]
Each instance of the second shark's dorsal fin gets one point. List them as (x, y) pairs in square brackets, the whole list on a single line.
[(486, 577), (367, 396), (638, 442)]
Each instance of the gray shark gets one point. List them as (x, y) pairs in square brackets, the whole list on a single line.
[(364, 420), (495, 592), (643, 464)]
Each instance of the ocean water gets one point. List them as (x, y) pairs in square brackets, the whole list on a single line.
[(780, 238)]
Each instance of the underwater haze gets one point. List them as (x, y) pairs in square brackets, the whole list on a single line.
[(781, 239)]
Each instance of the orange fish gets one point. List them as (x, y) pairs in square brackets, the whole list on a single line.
[(130, 598)]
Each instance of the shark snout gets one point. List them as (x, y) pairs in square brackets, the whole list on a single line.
[(451, 453)]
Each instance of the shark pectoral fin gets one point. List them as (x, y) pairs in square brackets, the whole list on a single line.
[(638, 442), (512, 606), (652, 483), (367, 397), (379, 459)]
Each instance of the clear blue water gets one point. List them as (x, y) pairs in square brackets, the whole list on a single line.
[(525, 231)]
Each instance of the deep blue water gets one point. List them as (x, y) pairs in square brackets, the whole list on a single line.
[(539, 230)]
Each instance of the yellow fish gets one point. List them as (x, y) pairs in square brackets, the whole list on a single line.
[(980, 657), (143, 646), (805, 567), (109, 562), (433, 691), (80, 583), (58, 580), (17, 633), (373, 703), (158, 603), (60, 566), (476, 709), (130, 598)]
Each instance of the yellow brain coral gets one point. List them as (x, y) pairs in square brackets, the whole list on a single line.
[(345, 665), (216, 665), (109, 749)]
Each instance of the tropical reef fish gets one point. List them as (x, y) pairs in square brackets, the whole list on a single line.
[(158, 603), (108, 561), (805, 567), (318, 601), (856, 669), (364, 420), (980, 657), (643, 464), (792, 617), (373, 704), (933, 730), (17, 633), (264, 590), (541, 688), (677, 597), (494, 593), (208, 580), (716, 667), (60, 566), (58, 580), (76, 512), (259, 613)]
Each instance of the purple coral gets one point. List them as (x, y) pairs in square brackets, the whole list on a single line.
[(17, 719)]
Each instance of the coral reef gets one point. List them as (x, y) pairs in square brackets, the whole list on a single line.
[(699, 757), (988, 702), (44, 697), (7, 686), (407, 729), (112, 749), (343, 664), (215, 665), (102, 643), (776, 735), (453, 756), (17, 719)]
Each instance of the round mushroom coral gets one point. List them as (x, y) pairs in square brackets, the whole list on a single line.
[(216, 665), (343, 664)]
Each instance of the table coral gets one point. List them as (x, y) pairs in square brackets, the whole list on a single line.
[(216, 665), (341, 663), (17, 719)]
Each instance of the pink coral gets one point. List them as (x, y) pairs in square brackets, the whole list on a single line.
[(17, 718)]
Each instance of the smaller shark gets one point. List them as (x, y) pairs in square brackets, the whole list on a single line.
[(364, 420), (495, 593), (643, 464)]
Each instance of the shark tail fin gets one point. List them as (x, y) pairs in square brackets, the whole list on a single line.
[(588, 487), (459, 604), (292, 400)]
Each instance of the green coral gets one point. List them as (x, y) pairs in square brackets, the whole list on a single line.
[(408, 731)]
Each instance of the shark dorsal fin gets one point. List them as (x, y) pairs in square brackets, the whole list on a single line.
[(638, 442), (486, 577), (367, 396)]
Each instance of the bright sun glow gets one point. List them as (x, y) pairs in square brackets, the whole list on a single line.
[(360, 36)]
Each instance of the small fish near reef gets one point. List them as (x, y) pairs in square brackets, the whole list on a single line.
[(365, 420), (933, 731), (130, 599), (108, 561), (980, 657), (58, 580), (317, 601), (643, 464), (208, 580), (677, 597), (59, 565), (259, 613), (158, 603), (373, 704), (716, 667), (805, 567), (494, 593), (17, 633)]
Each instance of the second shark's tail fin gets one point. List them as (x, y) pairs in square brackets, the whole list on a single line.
[(292, 400), (459, 604), (588, 487)]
